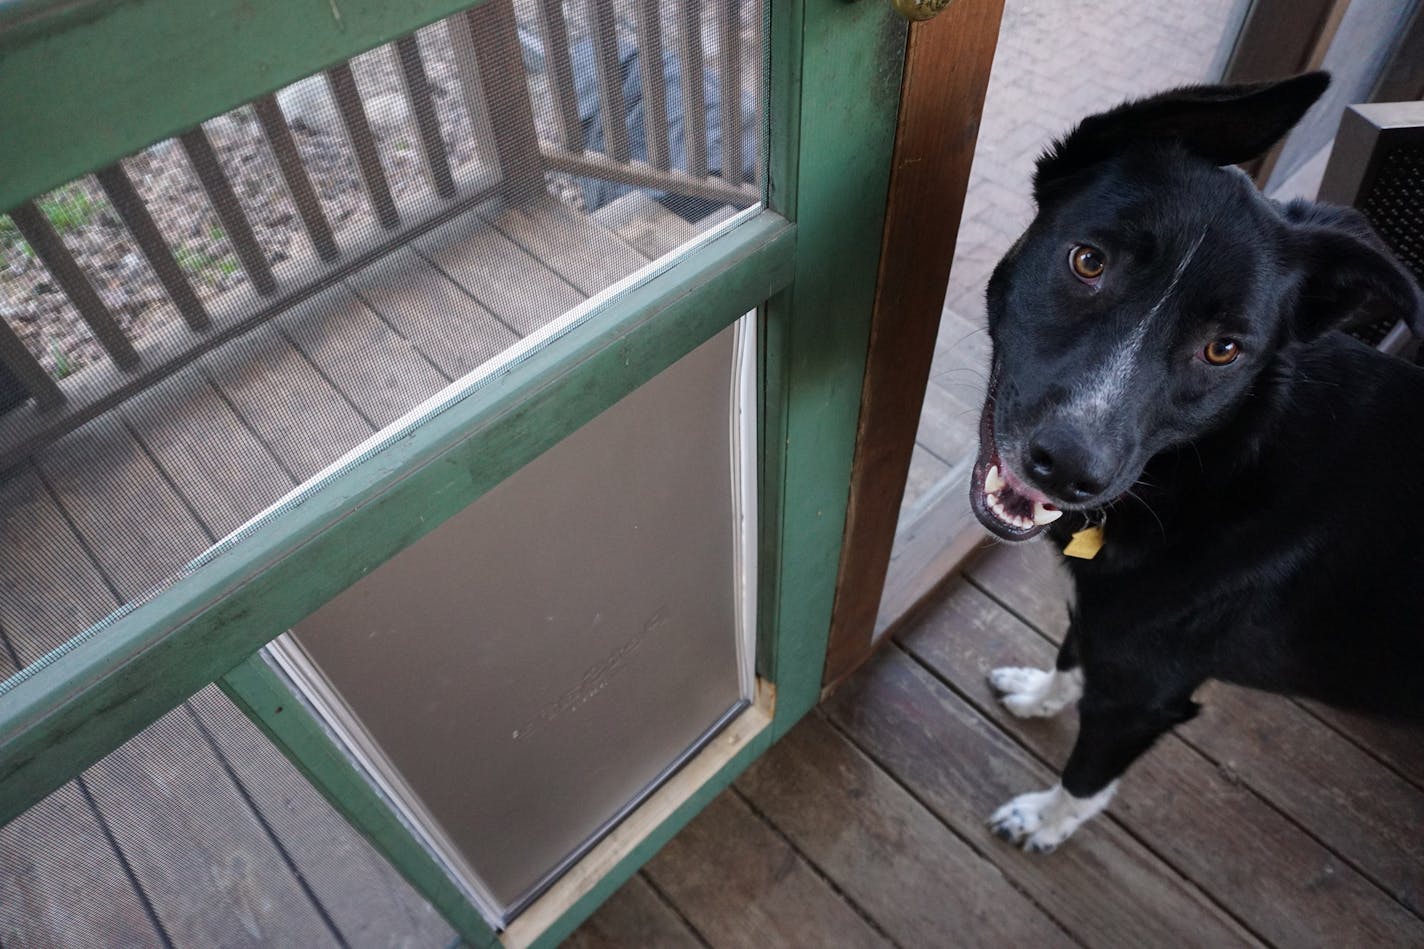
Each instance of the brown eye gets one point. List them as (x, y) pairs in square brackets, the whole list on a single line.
[(1219, 352), (1087, 262)]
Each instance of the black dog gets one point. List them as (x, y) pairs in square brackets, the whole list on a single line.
[(1233, 481)]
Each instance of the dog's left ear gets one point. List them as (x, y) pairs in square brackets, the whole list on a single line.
[(1346, 271), (1223, 124)]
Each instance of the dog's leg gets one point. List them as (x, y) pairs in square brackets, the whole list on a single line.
[(1110, 737), (1039, 693)]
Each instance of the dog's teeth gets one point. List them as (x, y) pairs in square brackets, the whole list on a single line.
[(1045, 515), (993, 481)]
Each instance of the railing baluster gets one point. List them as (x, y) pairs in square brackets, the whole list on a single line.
[(131, 209), (363, 143), (492, 34), (27, 369), (48, 246), (472, 90), (650, 53), (613, 110), (561, 74), (729, 50), (279, 137), (694, 95), (234, 220), (422, 106)]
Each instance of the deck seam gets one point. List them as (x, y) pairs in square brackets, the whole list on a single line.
[(673, 907), (1361, 745), (821, 874), (286, 337), (973, 845), (267, 829), (248, 426), (430, 259), (395, 330), (139, 892)]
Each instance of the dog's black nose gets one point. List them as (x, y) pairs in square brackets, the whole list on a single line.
[(1060, 459)]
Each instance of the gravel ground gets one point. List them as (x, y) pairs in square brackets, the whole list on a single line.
[(49, 325)]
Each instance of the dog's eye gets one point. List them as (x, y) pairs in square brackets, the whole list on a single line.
[(1087, 262), (1220, 352)]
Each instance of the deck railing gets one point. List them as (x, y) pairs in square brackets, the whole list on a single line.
[(669, 153)]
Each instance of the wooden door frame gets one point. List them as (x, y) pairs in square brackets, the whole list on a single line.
[(947, 64)]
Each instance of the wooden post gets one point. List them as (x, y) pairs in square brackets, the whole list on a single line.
[(946, 74)]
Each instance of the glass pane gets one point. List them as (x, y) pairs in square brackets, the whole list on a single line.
[(223, 315), (197, 832), (523, 675)]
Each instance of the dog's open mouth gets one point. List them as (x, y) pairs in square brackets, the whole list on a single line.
[(1003, 503)]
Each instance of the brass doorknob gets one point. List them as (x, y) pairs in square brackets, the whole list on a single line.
[(919, 9)]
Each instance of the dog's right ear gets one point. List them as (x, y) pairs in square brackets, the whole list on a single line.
[(1223, 124)]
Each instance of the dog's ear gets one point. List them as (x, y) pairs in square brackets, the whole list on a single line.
[(1223, 124), (1346, 272)]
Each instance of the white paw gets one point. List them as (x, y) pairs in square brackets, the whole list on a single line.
[(1036, 693), (1041, 820)]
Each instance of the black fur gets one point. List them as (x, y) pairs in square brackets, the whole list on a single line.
[(1263, 519)]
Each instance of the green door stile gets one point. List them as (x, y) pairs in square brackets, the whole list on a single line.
[(808, 263)]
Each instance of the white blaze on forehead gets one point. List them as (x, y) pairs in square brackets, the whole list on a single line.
[(1094, 397)]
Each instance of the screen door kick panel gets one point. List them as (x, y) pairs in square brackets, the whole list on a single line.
[(523, 675)]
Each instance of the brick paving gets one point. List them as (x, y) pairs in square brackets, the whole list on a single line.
[(1057, 61)]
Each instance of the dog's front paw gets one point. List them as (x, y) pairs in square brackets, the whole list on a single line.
[(1036, 693), (1041, 820)]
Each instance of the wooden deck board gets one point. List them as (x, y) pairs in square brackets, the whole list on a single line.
[(75, 860), (634, 916), (886, 851), (381, 373), (1103, 888), (739, 884), (503, 277), (1325, 782), (1285, 886), (428, 308)]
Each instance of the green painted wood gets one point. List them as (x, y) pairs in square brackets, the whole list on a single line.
[(265, 697), (846, 103), (89, 81), (87, 701), (834, 97)]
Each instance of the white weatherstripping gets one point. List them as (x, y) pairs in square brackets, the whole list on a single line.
[(1098, 396), (1041, 820)]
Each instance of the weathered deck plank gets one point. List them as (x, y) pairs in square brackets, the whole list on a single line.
[(503, 277), (381, 374), (428, 308), (1105, 889), (634, 916), (884, 850), (742, 885), (1306, 769), (1284, 885)]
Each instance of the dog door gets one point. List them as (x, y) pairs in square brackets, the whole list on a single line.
[(521, 677)]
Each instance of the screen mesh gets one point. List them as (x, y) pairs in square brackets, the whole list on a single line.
[(190, 333)]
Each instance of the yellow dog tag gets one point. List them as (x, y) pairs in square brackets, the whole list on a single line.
[(1086, 543)]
